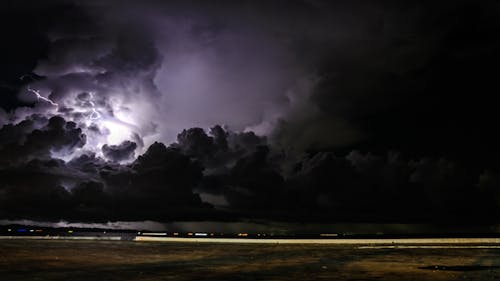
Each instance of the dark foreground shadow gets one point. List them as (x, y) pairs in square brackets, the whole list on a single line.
[(460, 267)]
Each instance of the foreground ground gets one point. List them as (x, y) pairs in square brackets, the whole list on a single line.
[(127, 260)]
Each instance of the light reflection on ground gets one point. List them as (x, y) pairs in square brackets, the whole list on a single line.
[(127, 260)]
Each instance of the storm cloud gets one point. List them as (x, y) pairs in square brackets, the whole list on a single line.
[(223, 110), (123, 151)]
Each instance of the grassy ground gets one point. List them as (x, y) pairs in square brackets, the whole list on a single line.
[(122, 260)]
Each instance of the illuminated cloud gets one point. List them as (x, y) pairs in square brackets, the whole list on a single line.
[(109, 110)]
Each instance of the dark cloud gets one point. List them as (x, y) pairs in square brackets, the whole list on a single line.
[(355, 187), (25, 141), (314, 99), (123, 151), (196, 142), (317, 75), (248, 180), (218, 150), (409, 76), (158, 185), (31, 191)]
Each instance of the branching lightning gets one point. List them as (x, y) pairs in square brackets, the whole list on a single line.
[(40, 97), (87, 111), (95, 114), (37, 92)]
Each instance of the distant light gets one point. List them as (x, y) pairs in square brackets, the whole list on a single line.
[(9, 230), (190, 234), (38, 230), (200, 234), (243, 234), (32, 230), (139, 233), (329, 234), (176, 233), (155, 233), (21, 230), (70, 231)]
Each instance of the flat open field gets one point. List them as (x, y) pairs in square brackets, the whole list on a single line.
[(128, 260)]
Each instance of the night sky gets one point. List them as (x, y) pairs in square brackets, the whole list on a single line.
[(297, 111)]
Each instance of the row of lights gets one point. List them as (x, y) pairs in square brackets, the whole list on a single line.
[(22, 230), (197, 234)]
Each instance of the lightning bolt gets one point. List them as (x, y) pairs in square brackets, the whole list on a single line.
[(37, 92), (95, 114), (40, 97)]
